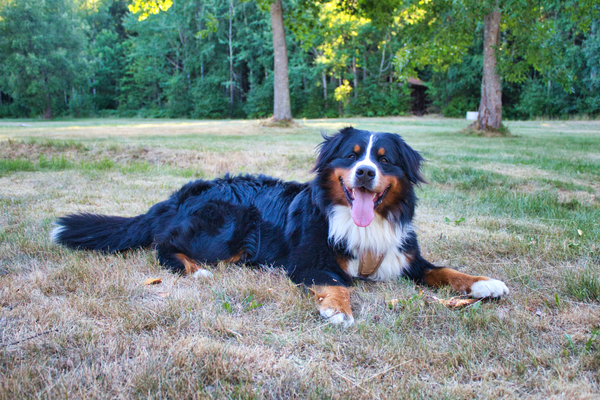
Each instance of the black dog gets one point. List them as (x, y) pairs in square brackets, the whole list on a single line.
[(352, 221)]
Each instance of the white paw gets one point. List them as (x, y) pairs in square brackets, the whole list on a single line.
[(202, 273), (489, 288), (335, 317)]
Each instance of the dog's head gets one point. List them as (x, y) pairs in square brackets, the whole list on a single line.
[(370, 172)]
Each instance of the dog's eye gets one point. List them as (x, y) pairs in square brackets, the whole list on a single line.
[(384, 160), (352, 156)]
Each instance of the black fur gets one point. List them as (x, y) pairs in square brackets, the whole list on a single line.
[(267, 221)]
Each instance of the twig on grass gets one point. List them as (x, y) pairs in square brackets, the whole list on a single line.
[(385, 371), (29, 338), (370, 378), (579, 303), (533, 272), (234, 333), (355, 384)]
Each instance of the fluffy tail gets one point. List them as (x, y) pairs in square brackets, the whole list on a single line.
[(103, 232)]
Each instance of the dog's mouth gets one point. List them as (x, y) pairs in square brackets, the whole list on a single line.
[(363, 203)]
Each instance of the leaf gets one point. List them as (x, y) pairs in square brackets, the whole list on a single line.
[(227, 306), (570, 341), (254, 304), (152, 281), (456, 303), (592, 339), (453, 303)]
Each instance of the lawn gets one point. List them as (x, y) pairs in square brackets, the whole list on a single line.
[(524, 209)]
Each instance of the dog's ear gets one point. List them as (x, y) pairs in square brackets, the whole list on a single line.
[(410, 161), (328, 147)]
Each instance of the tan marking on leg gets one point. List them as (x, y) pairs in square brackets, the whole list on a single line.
[(189, 264), (235, 258), (381, 151), (457, 280), (333, 297), (356, 148)]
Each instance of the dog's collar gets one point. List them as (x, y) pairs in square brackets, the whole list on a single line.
[(369, 263)]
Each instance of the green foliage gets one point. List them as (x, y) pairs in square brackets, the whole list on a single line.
[(81, 58), (259, 102), (42, 53), (147, 7), (542, 43), (373, 102), (583, 284)]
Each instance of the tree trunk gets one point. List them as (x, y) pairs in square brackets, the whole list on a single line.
[(490, 107), (231, 77), (325, 88), (282, 109), (355, 76), (48, 113), (340, 102)]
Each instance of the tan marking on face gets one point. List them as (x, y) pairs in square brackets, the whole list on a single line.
[(356, 148), (393, 196), (410, 257), (381, 151), (189, 264), (456, 280), (333, 297), (335, 187), (386, 181)]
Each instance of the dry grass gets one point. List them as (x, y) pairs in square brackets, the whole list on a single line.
[(83, 325)]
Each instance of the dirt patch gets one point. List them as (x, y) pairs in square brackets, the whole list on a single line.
[(474, 130), (273, 123), (288, 162), (530, 187), (584, 198), (516, 171), (153, 128), (16, 149)]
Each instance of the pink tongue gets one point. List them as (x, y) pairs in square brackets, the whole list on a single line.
[(362, 208)]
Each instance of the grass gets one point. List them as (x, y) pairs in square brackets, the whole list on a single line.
[(524, 209)]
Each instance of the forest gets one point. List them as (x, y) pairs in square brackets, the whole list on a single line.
[(214, 59)]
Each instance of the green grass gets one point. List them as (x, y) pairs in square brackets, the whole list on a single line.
[(524, 209)]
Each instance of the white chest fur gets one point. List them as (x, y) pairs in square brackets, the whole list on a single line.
[(380, 237)]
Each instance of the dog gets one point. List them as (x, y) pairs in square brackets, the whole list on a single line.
[(352, 221)]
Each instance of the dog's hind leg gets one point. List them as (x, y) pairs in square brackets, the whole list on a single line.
[(211, 233), (179, 262)]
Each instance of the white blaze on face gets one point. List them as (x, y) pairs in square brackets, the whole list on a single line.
[(363, 205), (366, 161)]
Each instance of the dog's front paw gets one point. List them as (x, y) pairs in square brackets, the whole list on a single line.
[(488, 288), (334, 304), (336, 317)]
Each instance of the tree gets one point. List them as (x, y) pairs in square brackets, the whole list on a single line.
[(527, 29), (42, 53), (282, 107), (490, 106)]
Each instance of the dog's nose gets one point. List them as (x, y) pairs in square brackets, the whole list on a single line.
[(365, 174)]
